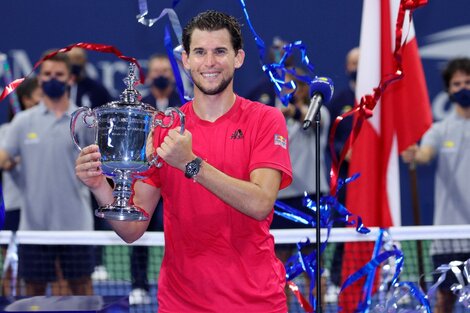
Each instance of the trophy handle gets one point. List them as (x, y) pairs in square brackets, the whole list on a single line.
[(169, 112), (87, 113), (159, 122)]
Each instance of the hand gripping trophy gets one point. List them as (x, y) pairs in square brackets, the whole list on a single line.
[(121, 132)]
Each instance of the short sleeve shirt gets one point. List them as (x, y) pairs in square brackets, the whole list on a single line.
[(218, 259), (450, 138), (54, 198)]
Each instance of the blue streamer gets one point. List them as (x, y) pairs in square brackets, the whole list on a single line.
[(2, 207), (176, 26), (143, 12), (174, 65), (292, 214), (370, 266), (416, 292), (300, 262), (276, 72), (370, 269), (367, 291), (259, 42)]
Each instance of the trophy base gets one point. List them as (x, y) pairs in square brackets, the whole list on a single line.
[(128, 213)]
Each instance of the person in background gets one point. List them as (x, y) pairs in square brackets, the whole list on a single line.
[(449, 142), (342, 102), (219, 181), (29, 94), (264, 91), (303, 155), (88, 92), (54, 199), (162, 95), (161, 83), (85, 91)]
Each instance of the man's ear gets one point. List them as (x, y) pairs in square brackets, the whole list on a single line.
[(185, 60), (71, 80), (239, 58)]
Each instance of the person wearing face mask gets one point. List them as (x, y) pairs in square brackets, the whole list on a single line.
[(342, 102), (162, 94), (449, 142), (85, 91), (89, 92), (161, 83), (302, 152), (264, 90), (54, 199)]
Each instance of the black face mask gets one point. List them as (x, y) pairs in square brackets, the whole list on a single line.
[(161, 82), (462, 97), (77, 70), (54, 88), (352, 76)]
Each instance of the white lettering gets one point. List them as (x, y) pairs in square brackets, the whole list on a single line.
[(21, 65), (439, 110)]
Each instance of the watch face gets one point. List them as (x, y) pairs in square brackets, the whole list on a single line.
[(192, 168)]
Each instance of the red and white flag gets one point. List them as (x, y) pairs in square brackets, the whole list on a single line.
[(399, 119)]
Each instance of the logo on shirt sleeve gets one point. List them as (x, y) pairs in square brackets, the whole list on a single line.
[(280, 140)]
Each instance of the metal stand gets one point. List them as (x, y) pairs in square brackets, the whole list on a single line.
[(417, 222), (318, 308), (121, 209)]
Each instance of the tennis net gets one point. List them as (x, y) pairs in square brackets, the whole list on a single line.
[(114, 275)]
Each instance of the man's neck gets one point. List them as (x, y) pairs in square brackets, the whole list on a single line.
[(211, 107), (463, 112), (352, 85), (58, 106), (160, 94)]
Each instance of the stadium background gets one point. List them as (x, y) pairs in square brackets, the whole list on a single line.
[(329, 29)]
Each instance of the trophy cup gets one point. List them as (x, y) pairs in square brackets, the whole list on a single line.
[(121, 132)]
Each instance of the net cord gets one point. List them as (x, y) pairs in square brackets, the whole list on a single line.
[(281, 236)]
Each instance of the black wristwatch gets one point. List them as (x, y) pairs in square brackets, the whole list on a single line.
[(192, 168)]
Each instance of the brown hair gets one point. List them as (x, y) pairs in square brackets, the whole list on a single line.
[(211, 21)]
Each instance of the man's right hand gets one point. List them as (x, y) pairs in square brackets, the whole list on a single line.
[(409, 154), (88, 167)]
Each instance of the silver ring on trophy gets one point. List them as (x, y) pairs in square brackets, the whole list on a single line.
[(121, 131)]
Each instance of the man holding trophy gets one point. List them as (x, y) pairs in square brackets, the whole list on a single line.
[(219, 178)]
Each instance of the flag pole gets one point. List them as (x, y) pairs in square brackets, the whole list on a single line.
[(417, 221)]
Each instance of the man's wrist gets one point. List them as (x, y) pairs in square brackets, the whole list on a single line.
[(192, 168)]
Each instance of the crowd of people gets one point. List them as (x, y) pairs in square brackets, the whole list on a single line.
[(234, 159)]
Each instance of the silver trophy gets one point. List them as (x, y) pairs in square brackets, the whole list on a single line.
[(121, 132)]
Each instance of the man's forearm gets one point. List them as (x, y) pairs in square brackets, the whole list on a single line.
[(254, 198), (146, 198), (103, 193)]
